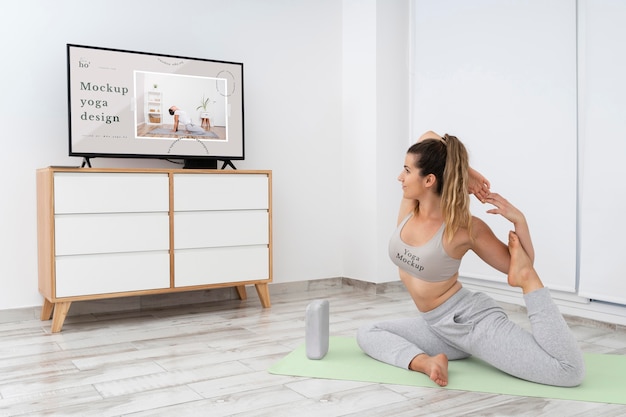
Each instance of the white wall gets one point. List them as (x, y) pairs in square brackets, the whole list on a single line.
[(314, 115), (502, 77), (536, 90), (393, 135), (292, 52), (375, 131), (326, 109), (359, 132), (602, 129)]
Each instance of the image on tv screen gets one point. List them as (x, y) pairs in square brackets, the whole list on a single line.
[(138, 104)]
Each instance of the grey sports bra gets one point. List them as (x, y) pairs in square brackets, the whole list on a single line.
[(428, 262)]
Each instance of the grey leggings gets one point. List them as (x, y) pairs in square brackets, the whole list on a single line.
[(472, 324)]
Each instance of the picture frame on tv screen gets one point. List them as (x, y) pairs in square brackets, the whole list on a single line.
[(149, 105)]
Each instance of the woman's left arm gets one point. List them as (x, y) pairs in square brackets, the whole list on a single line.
[(488, 247)]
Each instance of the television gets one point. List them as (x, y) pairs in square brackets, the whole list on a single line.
[(128, 104)]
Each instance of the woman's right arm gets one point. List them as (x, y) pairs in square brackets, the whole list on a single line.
[(478, 185), (429, 135)]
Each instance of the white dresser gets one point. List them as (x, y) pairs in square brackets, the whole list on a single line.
[(106, 233)]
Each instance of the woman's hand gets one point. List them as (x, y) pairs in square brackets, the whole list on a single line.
[(478, 185), (515, 216), (504, 208)]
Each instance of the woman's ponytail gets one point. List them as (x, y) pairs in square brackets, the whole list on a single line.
[(454, 197), (447, 160)]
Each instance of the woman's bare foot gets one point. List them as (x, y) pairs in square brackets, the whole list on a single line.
[(436, 367), (521, 271)]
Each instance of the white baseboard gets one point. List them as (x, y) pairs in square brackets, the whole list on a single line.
[(575, 307)]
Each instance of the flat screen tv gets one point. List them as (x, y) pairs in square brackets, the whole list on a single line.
[(127, 104)]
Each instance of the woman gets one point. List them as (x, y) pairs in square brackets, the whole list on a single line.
[(435, 229), (181, 117)]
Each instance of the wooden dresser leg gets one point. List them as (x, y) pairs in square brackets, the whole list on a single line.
[(264, 294), (60, 312), (46, 309), (241, 291)]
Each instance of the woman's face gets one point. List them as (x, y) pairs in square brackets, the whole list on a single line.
[(411, 179)]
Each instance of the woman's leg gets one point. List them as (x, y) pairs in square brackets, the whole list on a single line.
[(549, 354), (397, 342), (409, 344), (192, 128)]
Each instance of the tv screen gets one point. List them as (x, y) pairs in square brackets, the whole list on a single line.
[(149, 105)]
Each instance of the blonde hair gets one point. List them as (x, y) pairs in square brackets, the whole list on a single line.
[(448, 161)]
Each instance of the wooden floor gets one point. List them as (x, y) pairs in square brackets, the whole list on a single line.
[(211, 359)]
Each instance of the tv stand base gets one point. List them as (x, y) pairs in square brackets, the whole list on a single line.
[(206, 164)]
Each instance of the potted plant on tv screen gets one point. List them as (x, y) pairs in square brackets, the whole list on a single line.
[(204, 106)]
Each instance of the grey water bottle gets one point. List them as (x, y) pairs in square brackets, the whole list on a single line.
[(316, 323)]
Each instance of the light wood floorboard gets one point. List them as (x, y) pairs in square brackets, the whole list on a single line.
[(211, 359)]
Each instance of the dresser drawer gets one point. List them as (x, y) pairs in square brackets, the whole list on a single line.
[(111, 273), (107, 192), (200, 229), (220, 192), (107, 233), (220, 265)]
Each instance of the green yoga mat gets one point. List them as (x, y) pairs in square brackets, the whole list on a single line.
[(605, 380)]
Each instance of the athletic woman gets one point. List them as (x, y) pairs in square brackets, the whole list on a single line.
[(435, 229)]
